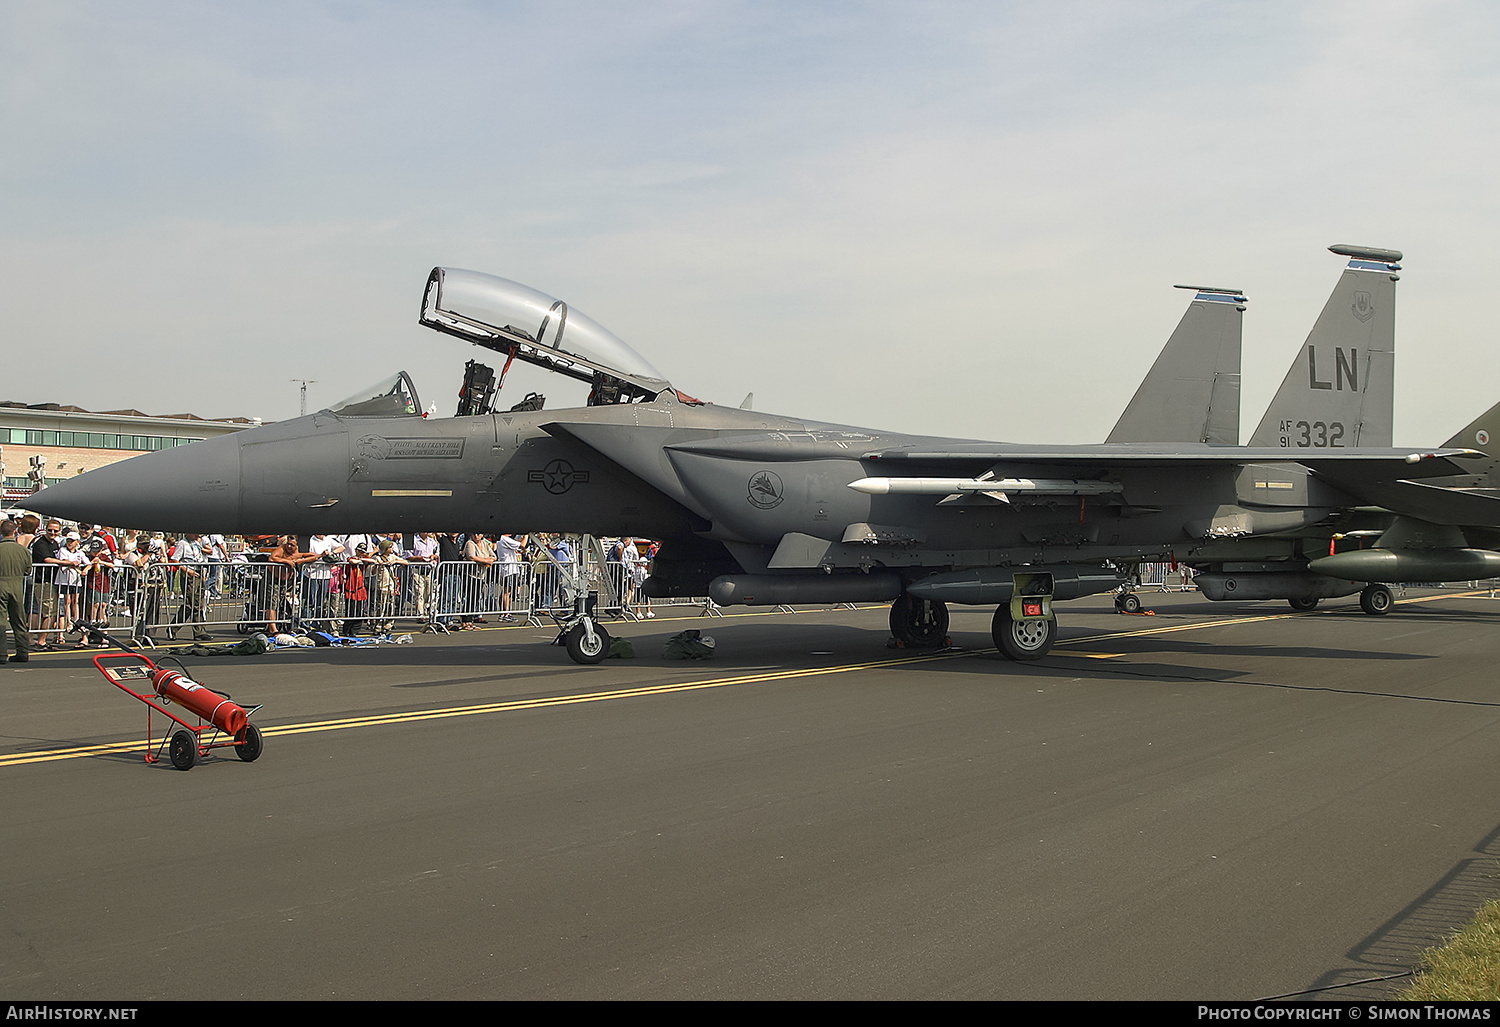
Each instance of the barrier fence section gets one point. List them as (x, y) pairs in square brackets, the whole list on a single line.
[(167, 599), (1156, 577)]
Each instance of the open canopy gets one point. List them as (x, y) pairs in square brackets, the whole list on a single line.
[(517, 320)]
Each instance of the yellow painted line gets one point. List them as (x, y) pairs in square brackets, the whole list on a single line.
[(419, 493), (414, 716), (1167, 629), (48, 755)]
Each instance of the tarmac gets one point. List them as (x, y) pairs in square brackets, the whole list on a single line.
[(1221, 801)]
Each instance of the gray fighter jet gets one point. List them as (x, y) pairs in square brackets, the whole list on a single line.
[(753, 508)]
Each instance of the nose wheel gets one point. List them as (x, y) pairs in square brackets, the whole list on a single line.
[(587, 642)]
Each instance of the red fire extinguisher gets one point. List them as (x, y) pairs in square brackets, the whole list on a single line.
[(205, 702)]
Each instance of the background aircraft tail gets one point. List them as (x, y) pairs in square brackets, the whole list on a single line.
[(1340, 391), (1192, 392), (1483, 434)]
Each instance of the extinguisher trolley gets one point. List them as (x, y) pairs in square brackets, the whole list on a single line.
[(220, 723)]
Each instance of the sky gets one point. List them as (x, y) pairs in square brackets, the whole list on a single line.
[(959, 219)]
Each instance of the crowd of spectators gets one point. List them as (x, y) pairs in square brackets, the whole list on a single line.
[(344, 583)]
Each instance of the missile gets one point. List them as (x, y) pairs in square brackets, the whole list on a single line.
[(949, 486)]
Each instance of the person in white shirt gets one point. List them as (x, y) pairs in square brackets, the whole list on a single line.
[(188, 555), (318, 577), (71, 561), (508, 554), (423, 557)]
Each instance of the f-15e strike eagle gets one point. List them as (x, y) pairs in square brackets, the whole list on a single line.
[(762, 509)]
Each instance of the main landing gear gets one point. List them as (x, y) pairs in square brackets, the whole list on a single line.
[(919, 623), (1376, 600), (1023, 639)]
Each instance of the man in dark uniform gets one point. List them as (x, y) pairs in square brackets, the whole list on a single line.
[(15, 564)]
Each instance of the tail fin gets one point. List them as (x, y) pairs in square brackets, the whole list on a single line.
[(1340, 391), (1192, 392), (1483, 434)]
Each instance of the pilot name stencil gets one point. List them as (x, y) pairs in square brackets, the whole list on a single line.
[(377, 447)]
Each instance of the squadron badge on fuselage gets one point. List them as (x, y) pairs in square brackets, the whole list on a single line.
[(765, 490)]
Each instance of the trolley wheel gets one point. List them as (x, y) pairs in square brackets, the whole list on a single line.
[(1302, 603), (920, 623), (1376, 600), (1028, 639), (581, 650), (248, 743), (184, 749), (1128, 602), (242, 629)]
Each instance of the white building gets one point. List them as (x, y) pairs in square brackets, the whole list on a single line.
[(72, 440)]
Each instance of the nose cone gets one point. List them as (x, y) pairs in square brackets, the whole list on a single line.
[(187, 488)]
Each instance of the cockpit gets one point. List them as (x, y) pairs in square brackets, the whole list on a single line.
[(523, 324), (396, 396), (528, 325)]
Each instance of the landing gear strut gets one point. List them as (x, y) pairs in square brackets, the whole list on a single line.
[(919, 623)]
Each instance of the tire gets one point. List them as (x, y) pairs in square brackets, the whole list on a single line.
[(250, 743), (184, 749), (1022, 640), (1303, 603), (579, 649), (1128, 602), (1376, 600), (919, 623)]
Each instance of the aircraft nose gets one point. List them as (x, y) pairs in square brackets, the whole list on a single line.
[(187, 488)]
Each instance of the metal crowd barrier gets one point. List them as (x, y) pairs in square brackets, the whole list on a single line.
[(1154, 577), (169, 599)]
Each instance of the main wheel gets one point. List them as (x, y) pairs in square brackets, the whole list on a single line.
[(1023, 639), (249, 743), (1302, 603), (919, 623), (1376, 600), (184, 749), (581, 650)]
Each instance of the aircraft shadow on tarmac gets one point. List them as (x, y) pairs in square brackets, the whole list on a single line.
[(1426, 921)]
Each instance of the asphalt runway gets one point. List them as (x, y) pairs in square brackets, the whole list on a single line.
[(1223, 801)]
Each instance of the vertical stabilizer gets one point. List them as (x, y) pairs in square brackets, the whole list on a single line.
[(1192, 392), (1340, 391), (1483, 434)]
